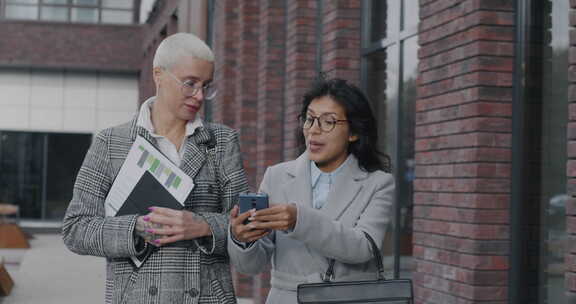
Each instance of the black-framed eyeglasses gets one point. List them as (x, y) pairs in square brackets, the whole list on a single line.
[(326, 122), (190, 87)]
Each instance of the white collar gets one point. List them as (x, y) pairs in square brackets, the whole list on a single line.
[(145, 119)]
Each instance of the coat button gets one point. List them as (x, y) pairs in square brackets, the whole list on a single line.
[(153, 290), (193, 292)]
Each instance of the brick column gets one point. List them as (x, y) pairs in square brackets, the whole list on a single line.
[(247, 84), (571, 165), (341, 39), (300, 62), (463, 151), (271, 81), (226, 39)]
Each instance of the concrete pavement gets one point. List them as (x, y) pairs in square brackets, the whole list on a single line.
[(48, 273)]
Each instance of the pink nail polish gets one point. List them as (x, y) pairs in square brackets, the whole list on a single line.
[(150, 230), (146, 218), (151, 208), (156, 241)]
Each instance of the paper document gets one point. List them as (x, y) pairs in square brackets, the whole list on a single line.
[(147, 178), (135, 187)]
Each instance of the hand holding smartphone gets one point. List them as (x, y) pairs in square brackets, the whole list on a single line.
[(248, 201)]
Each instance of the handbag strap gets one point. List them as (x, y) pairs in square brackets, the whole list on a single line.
[(329, 276)]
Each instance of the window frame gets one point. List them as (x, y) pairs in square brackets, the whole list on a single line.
[(369, 47)]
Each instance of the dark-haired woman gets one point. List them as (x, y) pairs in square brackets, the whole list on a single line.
[(322, 202)]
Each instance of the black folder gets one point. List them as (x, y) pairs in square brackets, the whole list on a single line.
[(148, 192)]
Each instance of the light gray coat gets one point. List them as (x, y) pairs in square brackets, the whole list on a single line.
[(358, 201)]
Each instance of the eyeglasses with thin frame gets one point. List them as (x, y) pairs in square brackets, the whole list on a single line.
[(326, 122), (190, 87)]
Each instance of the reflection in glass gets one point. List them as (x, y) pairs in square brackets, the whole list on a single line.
[(553, 157), (37, 171), (86, 2), (410, 14), (21, 12), (55, 1), (62, 167), (114, 16), (378, 11), (117, 3), (381, 88), (23, 1), (54, 13), (84, 15), (405, 191), (21, 161)]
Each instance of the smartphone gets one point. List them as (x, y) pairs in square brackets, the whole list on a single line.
[(248, 201)]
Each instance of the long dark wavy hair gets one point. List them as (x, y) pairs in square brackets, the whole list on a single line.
[(360, 119)]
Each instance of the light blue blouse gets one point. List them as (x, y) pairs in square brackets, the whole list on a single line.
[(322, 183)]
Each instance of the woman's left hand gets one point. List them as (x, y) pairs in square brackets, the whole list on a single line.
[(276, 217), (178, 225)]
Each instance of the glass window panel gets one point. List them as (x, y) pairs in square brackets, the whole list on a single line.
[(384, 19), (86, 2), (84, 15), (21, 12), (114, 16), (63, 164), (21, 164), (411, 15), (405, 187), (23, 1), (117, 3), (381, 89), (55, 1), (553, 155), (54, 13)]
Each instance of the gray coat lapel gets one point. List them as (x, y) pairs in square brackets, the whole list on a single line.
[(345, 189), (196, 147), (136, 130), (299, 188)]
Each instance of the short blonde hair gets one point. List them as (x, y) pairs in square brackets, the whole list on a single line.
[(179, 45)]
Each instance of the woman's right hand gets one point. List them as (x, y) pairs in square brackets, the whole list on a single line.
[(244, 233)]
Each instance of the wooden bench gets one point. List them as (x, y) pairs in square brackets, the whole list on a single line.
[(6, 282), (11, 236)]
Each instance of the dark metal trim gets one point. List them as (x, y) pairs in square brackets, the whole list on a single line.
[(364, 41), (398, 162), (516, 279)]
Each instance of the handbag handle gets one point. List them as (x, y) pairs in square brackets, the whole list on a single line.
[(329, 276)]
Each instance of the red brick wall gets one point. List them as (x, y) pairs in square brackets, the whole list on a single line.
[(247, 84), (263, 72), (226, 36), (571, 165), (271, 80), (341, 39), (70, 46), (300, 66), (463, 145)]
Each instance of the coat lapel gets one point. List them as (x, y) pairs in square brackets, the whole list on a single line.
[(195, 147), (345, 189), (299, 187)]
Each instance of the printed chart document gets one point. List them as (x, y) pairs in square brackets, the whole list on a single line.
[(147, 178)]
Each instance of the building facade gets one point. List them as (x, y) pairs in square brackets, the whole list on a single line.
[(475, 99), (474, 106), (66, 70)]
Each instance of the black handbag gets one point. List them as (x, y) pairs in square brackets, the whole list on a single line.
[(396, 291)]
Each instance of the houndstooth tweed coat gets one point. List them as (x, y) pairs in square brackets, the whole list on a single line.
[(196, 273)]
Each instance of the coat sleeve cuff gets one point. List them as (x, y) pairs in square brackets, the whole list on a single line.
[(216, 243), (119, 235)]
